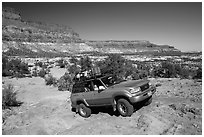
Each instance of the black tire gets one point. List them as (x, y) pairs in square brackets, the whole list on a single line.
[(124, 107), (84, 111), (149, 101)]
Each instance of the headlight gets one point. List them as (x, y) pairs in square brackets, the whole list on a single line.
[(134, 90)]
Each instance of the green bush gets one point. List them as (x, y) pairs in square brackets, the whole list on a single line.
[(65, 82), (9, 97), (73, 69), (14, 67), (50, 80), (85, 63), (116, 65), (42, 73)]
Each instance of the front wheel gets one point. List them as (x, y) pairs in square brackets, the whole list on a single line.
[(84, 111), (124, 107)]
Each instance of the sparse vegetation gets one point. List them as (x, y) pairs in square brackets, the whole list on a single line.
[(172, 70), (65, 82), (9, 97), (85, 63), (50, 80), (62, 63), (198, 73), (39, 63), (42, 73), (14, 67), (115, 64)]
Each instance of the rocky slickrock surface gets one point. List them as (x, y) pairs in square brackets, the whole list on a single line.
[(176, 109)]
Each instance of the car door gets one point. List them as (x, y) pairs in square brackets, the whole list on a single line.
[(102, 96), (90, 94)]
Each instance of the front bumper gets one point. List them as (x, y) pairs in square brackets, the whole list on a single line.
[(142, 96)]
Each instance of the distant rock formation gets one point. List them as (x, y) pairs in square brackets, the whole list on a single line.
[(14, 29), (36, 38), (10, 13)]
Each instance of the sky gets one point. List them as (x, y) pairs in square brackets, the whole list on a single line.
[(175, 24)]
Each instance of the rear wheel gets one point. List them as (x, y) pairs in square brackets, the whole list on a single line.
[(84, 111), (124, 107)]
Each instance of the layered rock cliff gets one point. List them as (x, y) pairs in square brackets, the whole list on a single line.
[(41, 39)]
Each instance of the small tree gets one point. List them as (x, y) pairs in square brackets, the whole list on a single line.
[(73, 60), (85, 63), (73, 69), (115, 64), (65, 82)]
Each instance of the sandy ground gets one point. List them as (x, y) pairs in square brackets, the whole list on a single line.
[(58, 72), (176, 109)]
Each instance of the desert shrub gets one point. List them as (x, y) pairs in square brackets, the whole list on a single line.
[(135, 76), (198, 74), (73, 69), (62, 63), (42, 73), (169, 69), (50, 80), (35, 73), (65, 82), (9, 97), (85, 63), (14, 67), (73, 60), (39, 63), (116, 65), (139, 75), (185, 73)]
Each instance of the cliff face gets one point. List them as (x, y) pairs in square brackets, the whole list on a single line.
[(36, 38), (14, 29), (130, 46)]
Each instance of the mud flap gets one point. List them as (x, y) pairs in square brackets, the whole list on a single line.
[(77, 108), (114, 105)]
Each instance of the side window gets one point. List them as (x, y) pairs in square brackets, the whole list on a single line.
[(98, 85), (89, 86)]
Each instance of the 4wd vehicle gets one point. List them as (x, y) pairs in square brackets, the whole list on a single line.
[(104, 91)]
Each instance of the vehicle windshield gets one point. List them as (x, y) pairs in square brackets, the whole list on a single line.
[(110, 81)]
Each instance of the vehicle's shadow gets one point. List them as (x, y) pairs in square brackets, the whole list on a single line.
[(138, 106), (109, 110)]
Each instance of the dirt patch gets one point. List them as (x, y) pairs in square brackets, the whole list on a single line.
[(58, 72), (176, 109)]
